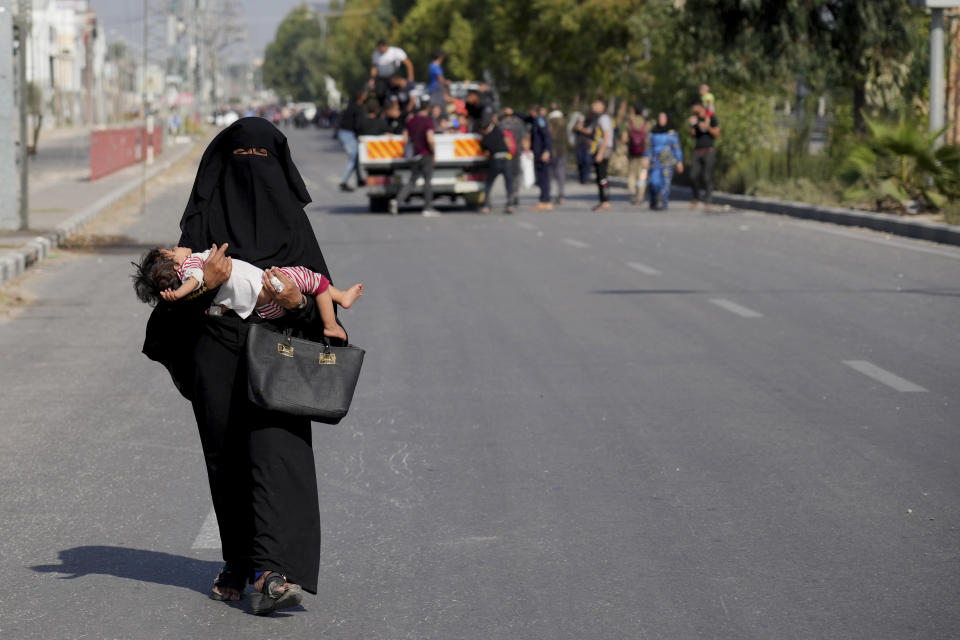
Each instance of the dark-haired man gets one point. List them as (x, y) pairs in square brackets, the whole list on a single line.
[(705, 131), (388, 62)]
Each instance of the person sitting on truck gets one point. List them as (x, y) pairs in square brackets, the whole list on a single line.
[(419, 133), (387, 61), (437, 82), (394, 117), (495, 148), (372, 124)]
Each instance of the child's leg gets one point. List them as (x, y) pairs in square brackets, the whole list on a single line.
[(330, 327), (315, 284), (346, 298)]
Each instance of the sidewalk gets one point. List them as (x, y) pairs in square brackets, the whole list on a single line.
[(59, 208)]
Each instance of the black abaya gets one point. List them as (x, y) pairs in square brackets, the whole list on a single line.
[(260, 464)]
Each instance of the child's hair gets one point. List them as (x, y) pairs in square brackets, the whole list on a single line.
[(154, 274)]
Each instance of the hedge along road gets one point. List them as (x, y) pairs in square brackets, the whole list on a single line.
[(569, 425)]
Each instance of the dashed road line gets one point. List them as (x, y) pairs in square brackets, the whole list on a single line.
[(209, 536), (733, 307), (526, 225), (892, 380), (576, 243), (642, 268)]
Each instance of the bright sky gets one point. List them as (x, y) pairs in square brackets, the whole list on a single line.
[(125, 16)]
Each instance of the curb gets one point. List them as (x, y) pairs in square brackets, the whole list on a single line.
[(22, 258), (896, 225)]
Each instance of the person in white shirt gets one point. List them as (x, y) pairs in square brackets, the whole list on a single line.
[(387, 62)]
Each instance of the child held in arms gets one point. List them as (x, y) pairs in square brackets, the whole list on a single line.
[(172, 274)]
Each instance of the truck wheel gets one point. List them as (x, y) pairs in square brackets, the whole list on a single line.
[(379, 205), (474, 200)]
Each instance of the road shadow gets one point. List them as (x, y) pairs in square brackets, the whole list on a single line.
[(134, 564)]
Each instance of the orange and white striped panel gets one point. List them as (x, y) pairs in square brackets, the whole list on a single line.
[(384, 149), (466, 148)]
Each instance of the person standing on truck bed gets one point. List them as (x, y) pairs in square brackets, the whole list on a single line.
[(419, 133), (387, 62), (347, 135)]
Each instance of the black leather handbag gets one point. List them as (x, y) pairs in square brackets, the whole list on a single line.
[(301, 377)]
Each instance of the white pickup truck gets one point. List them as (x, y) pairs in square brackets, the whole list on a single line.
[(460, 168)]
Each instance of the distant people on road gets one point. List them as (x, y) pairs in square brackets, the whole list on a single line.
[(388, 62), (419, 133), (705, 130), (601, 149), (542, 146), (664, 155), (494, 146), (581, 127), (347, 128), (558, 134), (517, 139), (260, 464), (637, 162), (436, 81)]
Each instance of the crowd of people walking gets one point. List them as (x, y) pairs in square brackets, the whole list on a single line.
[(531, 147)]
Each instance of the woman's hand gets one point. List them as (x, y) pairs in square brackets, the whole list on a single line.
[(218, 266), (679, 167), (290, 297)]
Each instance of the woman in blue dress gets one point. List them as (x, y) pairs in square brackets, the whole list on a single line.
[(665, 155)]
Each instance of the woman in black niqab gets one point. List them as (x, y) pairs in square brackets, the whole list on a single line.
[(260, 465)]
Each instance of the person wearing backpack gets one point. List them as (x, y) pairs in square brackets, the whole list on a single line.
[(637, 162)]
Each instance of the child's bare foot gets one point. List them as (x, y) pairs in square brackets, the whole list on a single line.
[(336, 331), (350, 295)]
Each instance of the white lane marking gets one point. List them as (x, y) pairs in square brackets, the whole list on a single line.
[(882, 375), (576, 243), (209, 536), (526, 225), (642, 268), (733, 307)]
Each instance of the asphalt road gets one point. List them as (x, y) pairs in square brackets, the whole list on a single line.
[(569, 425)]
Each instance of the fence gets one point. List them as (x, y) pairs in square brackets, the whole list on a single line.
[(115, 149)]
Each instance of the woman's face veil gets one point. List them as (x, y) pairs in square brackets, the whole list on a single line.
[(249, 193)]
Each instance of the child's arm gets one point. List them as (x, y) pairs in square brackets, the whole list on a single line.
[(171, 295)]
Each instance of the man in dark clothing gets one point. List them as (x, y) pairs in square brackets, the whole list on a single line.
[(347, 134), (372, 125), (495, 147), (542, 146), (419, 133), (477, 109), (516, 129), (394, 117), (581, 145), (705, 131)]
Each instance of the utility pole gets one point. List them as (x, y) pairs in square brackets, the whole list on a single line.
[(25, 24), (9, 220)]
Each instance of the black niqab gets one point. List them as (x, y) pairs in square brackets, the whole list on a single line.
[(252, 199), (248, 193)]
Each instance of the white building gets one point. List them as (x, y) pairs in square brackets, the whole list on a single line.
[(65, 60)]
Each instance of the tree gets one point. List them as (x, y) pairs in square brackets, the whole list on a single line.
[(294, 62)]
